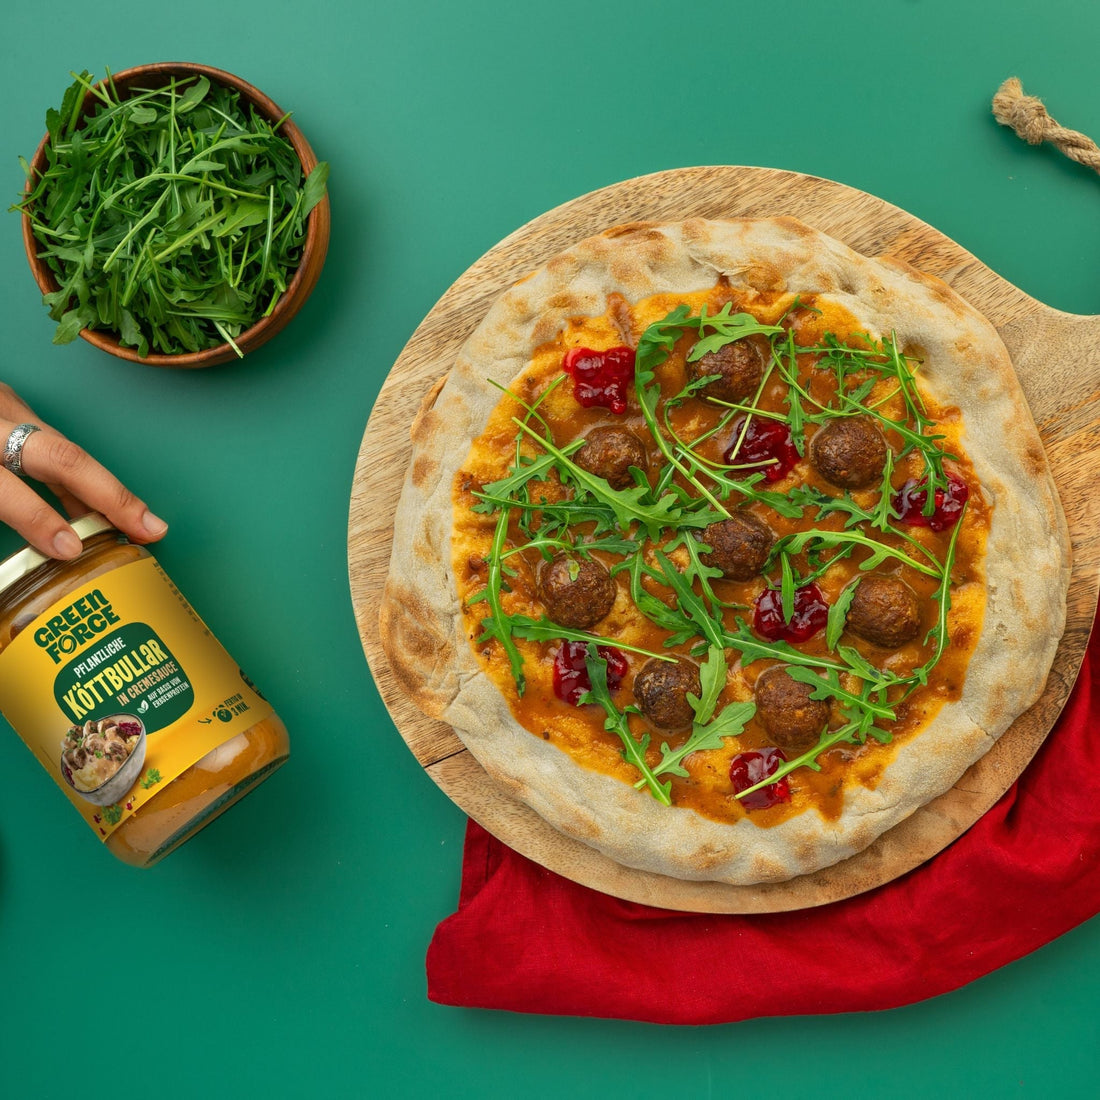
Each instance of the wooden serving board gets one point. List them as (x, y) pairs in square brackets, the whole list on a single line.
[(1057, 358)]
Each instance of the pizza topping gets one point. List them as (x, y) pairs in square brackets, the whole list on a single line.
[(739, 546), (739, 367), (807, 614), (677, 552), (911, 504), (750, 769), (884, 610), (571, 680), (600, 377), (850, 452), (762, 445), (618, 723), (662, 691), (610, 453), (577, 592), (786, 710)]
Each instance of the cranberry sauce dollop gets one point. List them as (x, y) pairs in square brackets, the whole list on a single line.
[(750, 767), (767, 446), (910, 500), (600, 377), (571, 673), (811, 613)]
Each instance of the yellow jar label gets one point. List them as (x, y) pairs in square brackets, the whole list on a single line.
[(119, 688)]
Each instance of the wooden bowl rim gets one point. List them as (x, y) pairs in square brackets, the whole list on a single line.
[(315, 245)]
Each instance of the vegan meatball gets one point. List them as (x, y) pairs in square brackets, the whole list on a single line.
[(850, 452), (661, 689), (609, 452), (884, 610), (739, 366), (739, 545), (577, 592), (784, 707)]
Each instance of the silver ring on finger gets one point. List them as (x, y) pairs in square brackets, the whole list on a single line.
[(13, 448)]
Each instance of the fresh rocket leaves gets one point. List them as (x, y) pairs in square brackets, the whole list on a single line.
[(654, 348), (497, 625), (652, 531), (628, 505), (174, 217), (725, 326), (838, 612), (843, 542), (634, 750), (543, 630), (884, 360), (707, 731)]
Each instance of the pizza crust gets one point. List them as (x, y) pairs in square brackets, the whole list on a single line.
[(965, 364)]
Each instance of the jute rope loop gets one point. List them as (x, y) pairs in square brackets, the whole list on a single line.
[(1028, 117)]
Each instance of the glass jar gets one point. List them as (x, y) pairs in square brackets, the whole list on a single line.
[(126, 698)]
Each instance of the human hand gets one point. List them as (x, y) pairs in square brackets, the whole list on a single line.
[(80, 483)]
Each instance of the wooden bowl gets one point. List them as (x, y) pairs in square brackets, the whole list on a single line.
[(313, 251)]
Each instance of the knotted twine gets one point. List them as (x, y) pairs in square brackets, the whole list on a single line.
[(1028, 117)]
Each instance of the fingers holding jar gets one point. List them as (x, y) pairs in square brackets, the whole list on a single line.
[(33, 449)]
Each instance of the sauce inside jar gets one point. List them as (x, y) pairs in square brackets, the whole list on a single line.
[(141, 717)]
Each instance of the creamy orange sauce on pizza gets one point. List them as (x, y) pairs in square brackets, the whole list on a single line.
[(579, 730)]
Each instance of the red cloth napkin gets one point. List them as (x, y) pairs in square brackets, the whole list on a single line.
[(528, 940)]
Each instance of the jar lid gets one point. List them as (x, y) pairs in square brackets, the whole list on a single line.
[(27, 560)]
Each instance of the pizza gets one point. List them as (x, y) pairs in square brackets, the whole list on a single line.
[(725, 548)]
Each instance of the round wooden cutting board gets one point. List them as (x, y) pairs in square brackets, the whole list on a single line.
[(1057, 358)]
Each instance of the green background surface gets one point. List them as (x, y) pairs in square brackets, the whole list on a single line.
[(281, 952)]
